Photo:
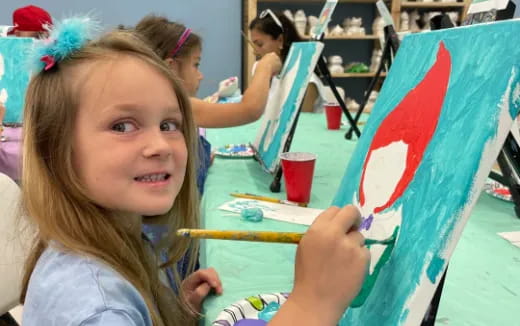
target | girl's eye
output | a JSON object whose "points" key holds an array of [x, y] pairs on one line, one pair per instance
{"points": [[124, 127], [168, 126]]}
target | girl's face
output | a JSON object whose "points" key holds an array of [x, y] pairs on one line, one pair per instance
{"points": [[265, 43], [188, 69], [129, 150]]}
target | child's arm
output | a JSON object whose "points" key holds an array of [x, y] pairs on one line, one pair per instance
{"points": [[254, 100], [331, 262]]}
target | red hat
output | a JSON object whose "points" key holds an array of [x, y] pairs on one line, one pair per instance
{"points": [[31, 19]]}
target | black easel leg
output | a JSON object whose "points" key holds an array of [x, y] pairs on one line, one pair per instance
{"points": [[325, 73], [509, 163], [431, 314], [385, 57], [276, 184]]}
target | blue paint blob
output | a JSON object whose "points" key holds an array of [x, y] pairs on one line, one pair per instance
{"points": [[269, 311], [434, 268], [252, 214]]}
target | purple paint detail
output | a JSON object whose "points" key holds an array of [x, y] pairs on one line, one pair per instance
{"points": [[366, 223], [250, 322], [286, 294]]}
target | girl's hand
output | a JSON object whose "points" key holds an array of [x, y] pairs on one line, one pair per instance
{"points": [[198, 285], [331, 263]]}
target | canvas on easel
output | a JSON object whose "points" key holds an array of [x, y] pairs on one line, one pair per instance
{"points": [[441, 118], [284, 102], [324, 19], [14, 75]]}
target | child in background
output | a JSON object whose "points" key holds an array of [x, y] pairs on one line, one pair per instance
{"points": [[181, 49], [105, 151], [274, 32], [29, 21]]}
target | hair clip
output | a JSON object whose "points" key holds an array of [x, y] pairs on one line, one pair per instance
{"points": [[65, 38], [181, 41], [49, 61]]}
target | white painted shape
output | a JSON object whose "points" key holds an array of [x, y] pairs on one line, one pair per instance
{"points": [[382, 227], [2, 66], [383, 172], [3, 96]]}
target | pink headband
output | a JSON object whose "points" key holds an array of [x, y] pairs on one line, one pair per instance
{"points": [[181, 41]]}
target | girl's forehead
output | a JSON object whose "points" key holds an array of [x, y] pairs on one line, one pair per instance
{"points": [[257, 34]]}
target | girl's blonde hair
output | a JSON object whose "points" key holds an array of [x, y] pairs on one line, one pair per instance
{"points": [[56, 201], [163, 35]]}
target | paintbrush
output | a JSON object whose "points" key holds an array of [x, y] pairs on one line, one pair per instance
{"points": [[260, 236], [268, 199]]}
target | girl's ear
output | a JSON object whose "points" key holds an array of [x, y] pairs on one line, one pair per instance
{"points": [[280, 41], [173, 64]]}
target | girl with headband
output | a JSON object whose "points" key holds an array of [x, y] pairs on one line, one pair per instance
{"points": [[181, 49]]}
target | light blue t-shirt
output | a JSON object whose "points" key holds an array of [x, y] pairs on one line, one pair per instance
{"points": [[68, 289]]}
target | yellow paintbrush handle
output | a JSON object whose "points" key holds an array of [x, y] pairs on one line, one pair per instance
{"points": [[259, 236], [265, 236]]}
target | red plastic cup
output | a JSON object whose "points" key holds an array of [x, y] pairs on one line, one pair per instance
{"points": [[298, 170], [333, 113]]}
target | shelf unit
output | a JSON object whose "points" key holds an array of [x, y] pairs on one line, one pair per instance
{"points": [[398, 6], [250, 12], [250, 9], [433, 5]]}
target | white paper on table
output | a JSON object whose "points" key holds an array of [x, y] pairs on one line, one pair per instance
{"points": [[512, 237], [279, 212]]}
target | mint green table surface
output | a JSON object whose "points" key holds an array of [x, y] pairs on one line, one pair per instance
{"points": [[483, 282]]}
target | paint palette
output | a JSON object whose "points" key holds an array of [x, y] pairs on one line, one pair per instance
{"points": [[249, 311], [497, 190], [235, 151]]}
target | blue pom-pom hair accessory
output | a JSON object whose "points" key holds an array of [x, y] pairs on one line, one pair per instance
{"points": [[66, 37]]}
